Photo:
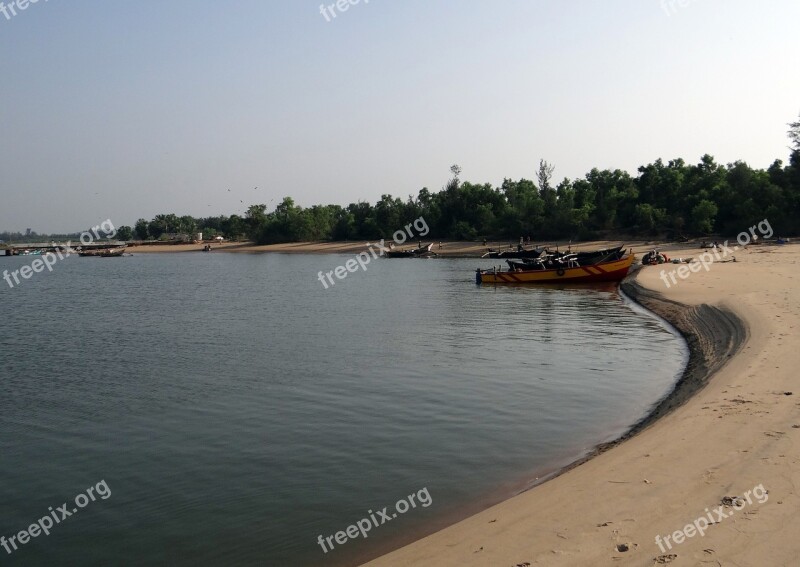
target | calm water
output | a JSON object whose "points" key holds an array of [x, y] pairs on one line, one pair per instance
{"points": [[237, 410]]}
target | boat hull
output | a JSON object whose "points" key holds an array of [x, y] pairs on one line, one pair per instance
{"points": [[415, 253], [613, 271], [103, 253], [512, 254]]}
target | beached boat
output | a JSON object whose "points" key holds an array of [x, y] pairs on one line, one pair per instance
{"points": [[103, 252], [420, 252], [555, 260], [610, 271], [524, 253], [619, 251]]}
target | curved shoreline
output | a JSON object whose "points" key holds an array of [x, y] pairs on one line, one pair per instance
{"points": [[713, 335]]}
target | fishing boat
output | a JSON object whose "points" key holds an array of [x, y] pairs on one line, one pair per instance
{"points": [[420, 252], [103, 252], [555, 260], [619, 251], [523, 253], [608, 271]]}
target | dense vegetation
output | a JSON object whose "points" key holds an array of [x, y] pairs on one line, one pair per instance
{"points": [[670, 199]]}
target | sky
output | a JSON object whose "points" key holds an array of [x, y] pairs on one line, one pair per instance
{"points": [[122, 110]]}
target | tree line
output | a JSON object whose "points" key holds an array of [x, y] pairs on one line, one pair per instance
{"points": [[672, 199]]}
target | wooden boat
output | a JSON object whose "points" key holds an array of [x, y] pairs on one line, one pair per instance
{"points": [[532, 254], [556, 260], [619, 251], [610, 271], [103, 252], [420, 252]]}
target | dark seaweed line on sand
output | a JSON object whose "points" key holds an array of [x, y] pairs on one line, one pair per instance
{"points": [[713, 335]]}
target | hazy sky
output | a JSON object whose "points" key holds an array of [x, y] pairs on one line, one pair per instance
{"points": [[120, 110]]}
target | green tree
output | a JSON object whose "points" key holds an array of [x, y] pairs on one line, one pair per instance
{"points": [[124, 233], [256, 219], [235, 227], [703, 215], [162, 225], [142, 229], [186, 225], [546, 191], [794, 135]]}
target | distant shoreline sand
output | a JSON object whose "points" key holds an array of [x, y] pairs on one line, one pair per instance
{"points": [[449, 249]]}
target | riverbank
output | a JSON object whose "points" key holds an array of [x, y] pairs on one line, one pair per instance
{"points": [[735, 426], [452, 249]]}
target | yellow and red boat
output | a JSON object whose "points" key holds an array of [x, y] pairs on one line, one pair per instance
{"points": [[611, 271]]}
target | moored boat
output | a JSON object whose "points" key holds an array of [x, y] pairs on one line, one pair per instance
{"points": [[608, 271], [420, 252], [103, 252], [518, 253], [555, 260]]}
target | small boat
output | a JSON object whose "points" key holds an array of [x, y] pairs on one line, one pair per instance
{"points": [[609, 271], [619, 251], [557, 260], [524, 253], [420, 252], [103, 252]]}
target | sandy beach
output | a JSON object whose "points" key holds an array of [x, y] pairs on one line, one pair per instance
{"points": [[731, 427]]}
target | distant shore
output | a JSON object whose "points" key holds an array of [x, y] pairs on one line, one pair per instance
{"points": [[451, 249], [447, 249], [731, 424]]}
